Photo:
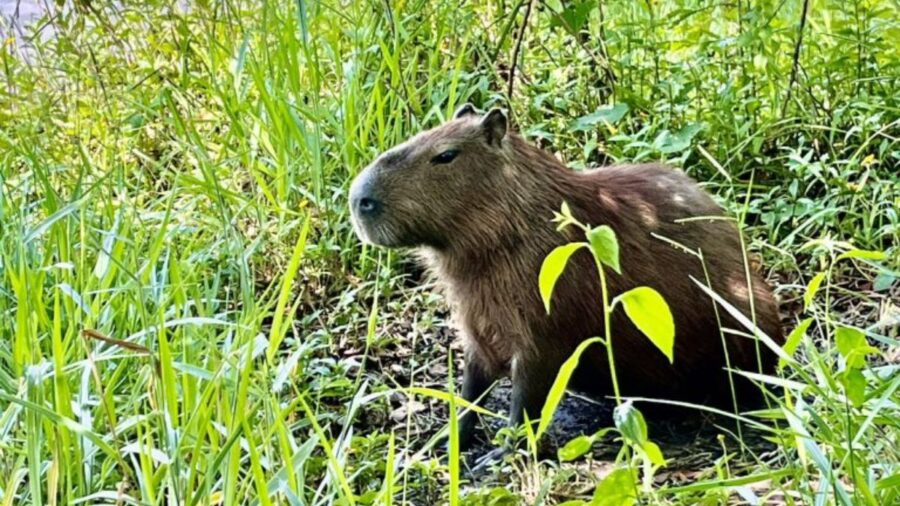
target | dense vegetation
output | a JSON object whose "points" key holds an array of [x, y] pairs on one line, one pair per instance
{"points": [[187, 317]]}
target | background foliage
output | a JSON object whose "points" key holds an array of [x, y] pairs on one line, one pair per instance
{"points": [[174, 177]]}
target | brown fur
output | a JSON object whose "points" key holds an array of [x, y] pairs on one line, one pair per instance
{"points": [[482, 225]]}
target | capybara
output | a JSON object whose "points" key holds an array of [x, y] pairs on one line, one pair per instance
{"points": [[477, 202]]}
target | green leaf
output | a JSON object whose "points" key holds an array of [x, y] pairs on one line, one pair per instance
{"points": [[53, 218], [575, 16], [553, 267], [453, 453], [575, 448], [861, 253], [854, 385], [852, 345], [296, 462], [617, 489], [654, 453], [70, 424], [883, 282], [605, 246], [793, 340], [276, 333], [812, 288], [668, 142], [650, 313], [446, 397], [500, 496], [559, 385], [605, 115], [630, 423], [889, 482]]}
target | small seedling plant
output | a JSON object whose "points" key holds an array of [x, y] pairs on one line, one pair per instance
{"points": [[650, 313]]}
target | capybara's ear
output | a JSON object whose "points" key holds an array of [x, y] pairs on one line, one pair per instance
{"points": [[494, 126], [464, 110]]}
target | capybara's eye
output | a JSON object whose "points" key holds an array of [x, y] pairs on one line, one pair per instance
{"points": [[446, 156]]}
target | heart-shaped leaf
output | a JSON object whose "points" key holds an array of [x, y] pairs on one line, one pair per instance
{"points": [[650, 313], [854, 385], [605, 246], [852, 345], [552, 268]]}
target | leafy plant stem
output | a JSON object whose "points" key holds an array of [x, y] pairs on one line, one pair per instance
{"points": [[607, 311]]}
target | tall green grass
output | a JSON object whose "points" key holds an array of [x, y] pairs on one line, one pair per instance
{"points": [[179, 282]]}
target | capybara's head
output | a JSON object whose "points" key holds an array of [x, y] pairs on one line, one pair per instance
{"points": [[420, 192]]}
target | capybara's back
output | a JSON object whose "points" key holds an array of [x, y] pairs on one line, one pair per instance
{"points": [[477, 201], [672, 237]]}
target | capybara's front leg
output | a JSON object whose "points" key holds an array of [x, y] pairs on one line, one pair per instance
{"points": [[531, 382], [476, 381]]}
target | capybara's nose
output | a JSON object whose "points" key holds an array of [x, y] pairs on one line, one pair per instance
{"points": [[363, 201], [368, 207]]}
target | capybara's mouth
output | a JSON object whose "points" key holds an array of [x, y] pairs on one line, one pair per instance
{"points": [[375, 232]]}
